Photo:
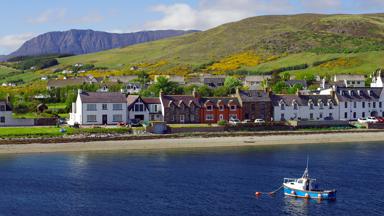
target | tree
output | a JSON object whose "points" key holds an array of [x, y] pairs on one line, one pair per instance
{"points": [[231, 84], [295, 88], [221, 91], [143, 78], [279, 87], [286, 76], [163, 84], [205, 91]]}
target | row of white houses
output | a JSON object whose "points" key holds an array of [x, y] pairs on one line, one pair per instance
{"points": [[337, 103]]}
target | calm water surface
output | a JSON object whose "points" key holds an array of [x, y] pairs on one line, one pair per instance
{"points": [[209, 182]]}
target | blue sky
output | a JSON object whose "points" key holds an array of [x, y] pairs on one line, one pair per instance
{"points": [[24, 19]]}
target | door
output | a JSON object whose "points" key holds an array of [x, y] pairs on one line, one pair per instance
{"points": [[139, 117], [182, 119], [105, 119]]}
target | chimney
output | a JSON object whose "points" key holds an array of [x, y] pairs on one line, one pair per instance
{"points": [[8, 99], [333, 93], [195, 93], [298, 93], [237, 91], [161, 93], [79, 91]]}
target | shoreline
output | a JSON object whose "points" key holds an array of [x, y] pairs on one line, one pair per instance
{"points": [[193, 143]]}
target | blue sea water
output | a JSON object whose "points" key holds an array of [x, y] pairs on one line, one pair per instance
{"points": [[198, 182]]}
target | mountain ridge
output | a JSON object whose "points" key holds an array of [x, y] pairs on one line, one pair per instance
{"points": [[77, 41]]}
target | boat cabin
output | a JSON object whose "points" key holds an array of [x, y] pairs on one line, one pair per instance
{"points": [[305, 184]]}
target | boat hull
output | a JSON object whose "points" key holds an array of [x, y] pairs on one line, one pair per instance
{"points": [[323, 195]]}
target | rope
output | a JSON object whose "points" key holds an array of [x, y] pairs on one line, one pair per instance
{"points": [[270, 193]]}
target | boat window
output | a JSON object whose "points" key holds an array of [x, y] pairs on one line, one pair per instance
{"points": [[300, 181]]}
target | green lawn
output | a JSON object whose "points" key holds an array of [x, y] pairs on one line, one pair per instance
{"points": [[14, 132], [56, 106], [44, 132]]}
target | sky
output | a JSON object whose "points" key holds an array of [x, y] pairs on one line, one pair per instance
{"points": [[24, 19]]}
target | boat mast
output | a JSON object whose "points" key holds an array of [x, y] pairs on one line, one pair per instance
{"points": [[306, 172]]}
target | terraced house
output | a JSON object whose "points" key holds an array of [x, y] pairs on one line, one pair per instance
{"points": [[180, 109], [304, 107], [214, 109], [256, 104]]}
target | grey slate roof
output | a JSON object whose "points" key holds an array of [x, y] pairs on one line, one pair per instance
{"points": [[178, 99], [216, 100], [103, 97], [302, 100], [358, 94]]}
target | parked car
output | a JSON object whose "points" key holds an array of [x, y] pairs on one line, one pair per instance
{"points": [[259, 121], [362, 120], [234, 121], [372, 119], [380, 119], [247, 121], [135, 123]]}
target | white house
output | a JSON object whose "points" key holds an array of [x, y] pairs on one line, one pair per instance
{"points": [[357, 103], [154, 106], [304, 107], [137, 109], [99, 108], [377, 79], [350, 80]]}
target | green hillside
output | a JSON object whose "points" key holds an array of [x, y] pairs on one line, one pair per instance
{"points": [[278, 41]]}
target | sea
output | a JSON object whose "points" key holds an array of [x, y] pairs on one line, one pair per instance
{"points": [[215, 181]]}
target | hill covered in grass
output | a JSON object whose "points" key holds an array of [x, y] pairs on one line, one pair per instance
{"points": [[275, 41]]}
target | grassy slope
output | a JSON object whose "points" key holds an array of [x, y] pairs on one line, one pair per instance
{"points": [[299, 36]]}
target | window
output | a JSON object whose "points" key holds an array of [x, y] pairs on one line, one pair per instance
{"points": [[354, 115], [374, 104], [354, 105], [172, 118], [282, 117], [117, 107], [282, 106], [311, 116], [369, 105], [91, 107], [91, 118], [221, 117], [105, 106], [152, 117], [321, 105], [221, 107], [346, 105], [192, 117], [182, 118], [363, 114], [233, 107], [155, 108], [321, 115], [209, 108], [209, 117], [345, 115], [330, 115], [330, 105], [295, 106], [363, 104], [117, 118], [380, 104], [2, 119], [139, 107], [253, 107], [2, 108]]}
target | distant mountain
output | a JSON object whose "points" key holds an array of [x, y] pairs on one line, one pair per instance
{"points": [[88, 41]]}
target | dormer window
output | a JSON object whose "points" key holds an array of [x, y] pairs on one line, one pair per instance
{"points": [[209, 108], [295, 106], [330, 104], [310, 103], [282, 105], [321, 105], [233, 107]]}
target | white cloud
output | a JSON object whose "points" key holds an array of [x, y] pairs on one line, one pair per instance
{"points": [[211, 13], [49, 15], [61, 15], [214, 12], [9, 43]]}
